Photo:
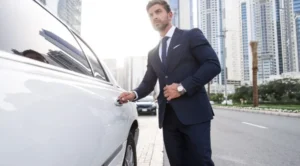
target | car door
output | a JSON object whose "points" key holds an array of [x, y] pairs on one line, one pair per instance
{"points": [[53, 111], [119, 114]]}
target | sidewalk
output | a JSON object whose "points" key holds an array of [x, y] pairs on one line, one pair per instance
{"points": [[150, 145]]}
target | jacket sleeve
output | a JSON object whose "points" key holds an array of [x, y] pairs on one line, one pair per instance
{"points": [[209, 63], [148, 83]]}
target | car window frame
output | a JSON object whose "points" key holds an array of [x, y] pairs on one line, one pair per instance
{"points": [[74, 34], [94, 54], [71, 33]]}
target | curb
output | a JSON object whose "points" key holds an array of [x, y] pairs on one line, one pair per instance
{"points": [[270, 112]]}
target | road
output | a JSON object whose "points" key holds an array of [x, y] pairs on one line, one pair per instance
{"points": [[248, 139]]}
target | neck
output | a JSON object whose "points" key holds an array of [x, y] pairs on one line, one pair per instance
{"points": [[165, 31]]}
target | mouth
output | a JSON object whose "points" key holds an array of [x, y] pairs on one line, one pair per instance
{"points": [[156, 22]]}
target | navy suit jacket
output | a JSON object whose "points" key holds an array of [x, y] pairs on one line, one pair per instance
{"points": [[193, 64]]}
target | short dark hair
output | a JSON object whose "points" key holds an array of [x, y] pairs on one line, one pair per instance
{"points": [[159, 2]]}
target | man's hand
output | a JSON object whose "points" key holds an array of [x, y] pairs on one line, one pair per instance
{"points": [[170, 91], [126, 97]]}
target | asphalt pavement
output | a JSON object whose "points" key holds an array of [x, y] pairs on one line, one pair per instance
{"points": [[249, 139]]}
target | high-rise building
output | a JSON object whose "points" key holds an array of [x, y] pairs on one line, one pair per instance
{"points": [[193, 13], [70, 12], [182, 9], [288, 60], [130, 72], [246, 35], [296, 4], [273, 23], [211, 20], [265, 33], [174, 4], [278, 35], [232, 42]]}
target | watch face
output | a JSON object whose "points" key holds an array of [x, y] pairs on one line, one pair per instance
{"points": [[180, 88]]}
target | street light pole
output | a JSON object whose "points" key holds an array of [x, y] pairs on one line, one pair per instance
{"points": [[225, 70], [223, 36]]}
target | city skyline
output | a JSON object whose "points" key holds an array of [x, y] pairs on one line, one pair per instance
{"points": [[229, 26], [235, 24]]}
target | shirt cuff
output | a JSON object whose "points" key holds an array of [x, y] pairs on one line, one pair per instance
{"points": [[184, 90], [136, 95]]}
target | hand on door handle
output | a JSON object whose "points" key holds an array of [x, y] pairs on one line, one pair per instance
{"points": [[118, 102]]}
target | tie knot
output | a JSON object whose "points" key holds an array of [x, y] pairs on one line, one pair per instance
{"points": [[164, 39]]}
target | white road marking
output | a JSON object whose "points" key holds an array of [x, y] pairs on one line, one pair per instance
{"points": [[263, 127]]}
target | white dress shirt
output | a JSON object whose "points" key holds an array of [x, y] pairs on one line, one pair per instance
{"points": [[170, 35]]}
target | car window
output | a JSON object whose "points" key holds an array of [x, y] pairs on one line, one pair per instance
{"points": [[94, 61], [39, 36]]}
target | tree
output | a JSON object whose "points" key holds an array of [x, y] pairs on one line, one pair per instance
{"points": [[218, 98], [255, 69], [243, 92]]}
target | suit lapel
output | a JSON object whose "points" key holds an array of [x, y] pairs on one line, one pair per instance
{"points": [[157, 62], [174, 57]]}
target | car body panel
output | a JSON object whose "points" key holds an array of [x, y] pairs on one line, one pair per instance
{"points": [[47, 119]]}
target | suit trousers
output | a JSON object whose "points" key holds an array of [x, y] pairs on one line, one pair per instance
{"points": [[186, 145]]}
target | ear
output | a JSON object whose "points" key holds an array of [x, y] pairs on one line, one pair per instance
{"points": [[170, 16]]}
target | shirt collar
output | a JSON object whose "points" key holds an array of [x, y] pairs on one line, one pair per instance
{"points": [[171, 31]]}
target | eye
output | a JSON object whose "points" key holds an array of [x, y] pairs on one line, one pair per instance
{"points": [[158, 11]]}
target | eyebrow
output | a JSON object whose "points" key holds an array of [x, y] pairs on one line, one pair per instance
{"points": [[157, 10]]}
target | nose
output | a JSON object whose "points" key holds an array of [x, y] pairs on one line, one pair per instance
{"points": [[155, 17]]}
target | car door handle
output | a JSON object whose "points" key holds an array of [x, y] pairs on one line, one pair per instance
{"points": [[118, 103]]}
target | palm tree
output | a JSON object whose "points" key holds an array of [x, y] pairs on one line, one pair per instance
{"points": [[254, 74]]}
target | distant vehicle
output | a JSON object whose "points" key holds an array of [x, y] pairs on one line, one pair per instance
{"points": [[212, 102], [228, 102], [58, 101], [147, 105]]}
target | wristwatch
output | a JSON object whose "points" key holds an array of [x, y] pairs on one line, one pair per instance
{"points": [[181, 89]]}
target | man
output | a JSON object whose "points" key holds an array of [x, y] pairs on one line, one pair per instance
{"points": [[183, 62]]}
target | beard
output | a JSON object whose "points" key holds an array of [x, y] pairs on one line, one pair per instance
{"points": [[160, 26]]}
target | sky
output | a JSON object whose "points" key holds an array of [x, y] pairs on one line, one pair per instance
{"points": [[118, 28]]}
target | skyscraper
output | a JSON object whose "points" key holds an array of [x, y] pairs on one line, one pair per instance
{"points": [[288, 63], [232, 42], [174, 4], [183, 15], [296, 5], [70, 12], [246, 35], [265, 34]]}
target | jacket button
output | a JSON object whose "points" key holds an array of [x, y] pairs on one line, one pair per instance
{"points": [[166, 76]]}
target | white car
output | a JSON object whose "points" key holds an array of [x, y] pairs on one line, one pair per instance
{"points": [[58, 101]]}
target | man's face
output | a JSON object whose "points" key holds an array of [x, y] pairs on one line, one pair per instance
{"points": [[159, 17]]}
